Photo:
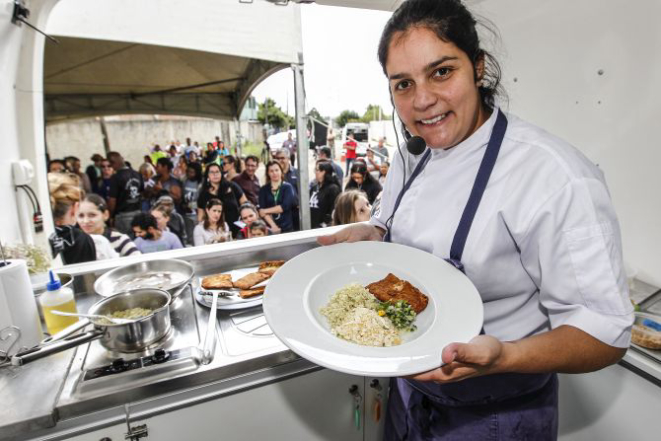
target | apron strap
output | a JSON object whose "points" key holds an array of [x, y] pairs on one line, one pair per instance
{"points": [[481, 180], [416, 172]]}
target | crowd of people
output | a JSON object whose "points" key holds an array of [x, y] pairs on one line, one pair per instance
{"points": [[184, 196]]}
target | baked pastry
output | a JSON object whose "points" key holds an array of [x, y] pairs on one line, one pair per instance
{"points": [[217, 281], [247, 293], [250, 280], [392, 288], [270, 266]]}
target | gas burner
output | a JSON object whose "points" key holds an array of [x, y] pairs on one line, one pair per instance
{"points": [[177, 351]]}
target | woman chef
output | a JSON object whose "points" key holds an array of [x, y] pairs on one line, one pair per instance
{"points": [[525, 215]]}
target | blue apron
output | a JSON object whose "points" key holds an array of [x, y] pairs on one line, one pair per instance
{"points": [[492, 407]]}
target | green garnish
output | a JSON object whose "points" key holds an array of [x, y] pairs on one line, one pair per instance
{"points": [[400, 314]]}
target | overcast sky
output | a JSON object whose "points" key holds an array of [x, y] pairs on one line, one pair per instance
{"points": [[341, 67]]}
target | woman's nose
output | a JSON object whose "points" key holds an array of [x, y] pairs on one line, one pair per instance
{"points": [[424, 98]]}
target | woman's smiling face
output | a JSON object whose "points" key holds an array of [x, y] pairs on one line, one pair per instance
{"points": [[90, 218], [434, 88]]}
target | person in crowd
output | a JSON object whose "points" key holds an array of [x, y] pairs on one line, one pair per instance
{"points": [[222, 149], [277, 200], [289, 145], [543, 250], [93, 172], [193, 158], [157, 154], [249, 214], [248, 180], [259, 229], [149, 239], [214, 185], [350, 147], [147, 160], [124, 195], [74, 245], [173, 156], [217, 142], [190, 148], [323, 194], [106, 173], [191, 189], [213, 229], [325, 153], [361, 179], [290, 176], [231, 167], [56, 166], [373, 164], [382, 150], [179, 172], [73, 165], [383, 172], [165, 183], [330, 141], [148, 173], [351, 206], [93, 216], [211, 154], [174, 222]]}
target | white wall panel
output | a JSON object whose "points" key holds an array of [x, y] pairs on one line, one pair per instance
{"points": [[552, 53]]}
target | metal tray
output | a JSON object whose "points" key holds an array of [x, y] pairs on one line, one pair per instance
{"points": [[171, 275]]}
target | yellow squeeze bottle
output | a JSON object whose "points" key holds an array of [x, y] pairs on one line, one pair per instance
{"points": [[57, 298]]}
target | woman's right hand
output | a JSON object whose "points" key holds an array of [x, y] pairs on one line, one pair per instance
{"points": [[353, 233]]}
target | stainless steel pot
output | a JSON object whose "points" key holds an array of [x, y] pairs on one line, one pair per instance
{"points": [[129, 337], [171, 275]]}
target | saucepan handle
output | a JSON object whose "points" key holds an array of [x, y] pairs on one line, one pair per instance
{"points": [[80, 324], [38, 352]]}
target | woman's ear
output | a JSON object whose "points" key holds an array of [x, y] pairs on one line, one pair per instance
{"points": [[106, 215], [479, 70]]}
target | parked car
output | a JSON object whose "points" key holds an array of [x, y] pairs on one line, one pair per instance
{"points": [[275, 141]]}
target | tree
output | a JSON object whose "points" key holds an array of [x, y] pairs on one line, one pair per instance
{"points": [[374, 113], [314, 113], [269, 113], [347, 116]]}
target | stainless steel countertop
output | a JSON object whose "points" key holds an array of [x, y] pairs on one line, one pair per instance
{"points": [[39, 395]]}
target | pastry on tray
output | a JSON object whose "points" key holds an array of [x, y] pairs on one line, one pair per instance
{"points": [[217, 281], [247, 293], [250, 280], [270, 266]]}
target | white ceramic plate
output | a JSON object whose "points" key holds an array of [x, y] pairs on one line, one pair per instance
{"points": [[306, 283], [233, 302]]}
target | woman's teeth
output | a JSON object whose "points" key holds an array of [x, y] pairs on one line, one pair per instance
{"points": [[433, 120]]}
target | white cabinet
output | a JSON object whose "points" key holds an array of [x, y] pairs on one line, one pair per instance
{"points": [[316, 406]]}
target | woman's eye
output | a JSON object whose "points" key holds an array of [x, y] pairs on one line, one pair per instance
{"points": [[442, 72], [403, 85]]}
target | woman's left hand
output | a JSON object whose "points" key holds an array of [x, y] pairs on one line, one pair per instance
{"points": [[483, 355]]}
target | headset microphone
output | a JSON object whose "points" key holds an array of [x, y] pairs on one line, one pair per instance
{"points": [[416, 145]]}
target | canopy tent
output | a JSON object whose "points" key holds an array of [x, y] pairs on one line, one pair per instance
{"points": [[85, 77], [164, 57]]}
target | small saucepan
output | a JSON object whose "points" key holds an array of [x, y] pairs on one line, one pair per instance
{"points": [[129, 337]]}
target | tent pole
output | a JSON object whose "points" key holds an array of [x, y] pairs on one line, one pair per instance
{"points": [[302, 144]]}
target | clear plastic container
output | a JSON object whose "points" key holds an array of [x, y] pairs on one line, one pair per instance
{"points": [[646, 336], [57, 298]]}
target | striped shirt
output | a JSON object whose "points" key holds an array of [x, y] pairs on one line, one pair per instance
{"points": [[121, 243]]}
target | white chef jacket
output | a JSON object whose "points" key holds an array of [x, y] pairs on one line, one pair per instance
{"points": [[544, 249]]}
